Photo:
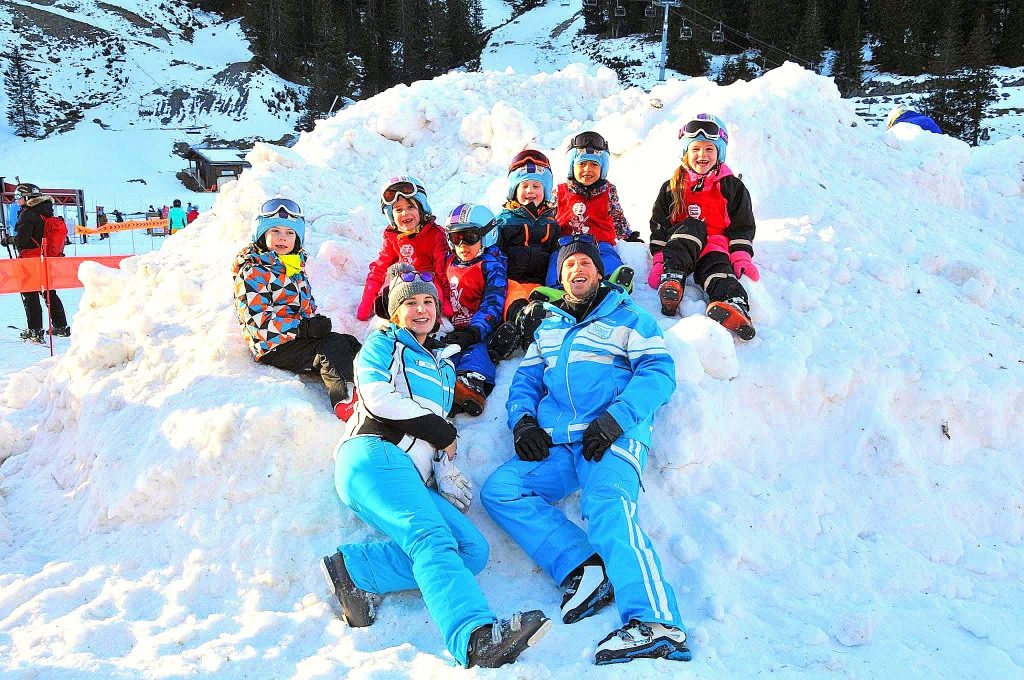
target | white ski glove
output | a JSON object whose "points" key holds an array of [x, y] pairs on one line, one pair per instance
{"points": [[451, 483]]}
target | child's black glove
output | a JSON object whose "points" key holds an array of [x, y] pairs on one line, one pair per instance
{"points": [[315, 327], [693, 226], [532, 442], [463, 337], [599, 435], [634, 237]]}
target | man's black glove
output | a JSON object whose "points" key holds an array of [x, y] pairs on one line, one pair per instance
{"points": [[315, 327], [599, 435], [634, 237], [463, 337], [532, 442]]}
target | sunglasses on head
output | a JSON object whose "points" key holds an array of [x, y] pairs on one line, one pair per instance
{"points": [[409, 277], [468, 236], [527, 159], [576, 238], [400, 189], [591, 141], [707, 128], [280, 207]]}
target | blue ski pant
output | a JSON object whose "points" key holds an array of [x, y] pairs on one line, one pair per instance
{"points": [[609, 259], [476, 359], [433, 547], [520, 494]]}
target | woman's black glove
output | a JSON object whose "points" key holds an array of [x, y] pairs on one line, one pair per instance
{"points": [[599, 435], [532, 442], [315, 327], [463, 337]]}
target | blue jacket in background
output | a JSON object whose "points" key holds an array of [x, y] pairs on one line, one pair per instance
{"points": [[920, 120], [615, 360]]}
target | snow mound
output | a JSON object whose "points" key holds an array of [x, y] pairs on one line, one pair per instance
{"points": [[840, 494]]}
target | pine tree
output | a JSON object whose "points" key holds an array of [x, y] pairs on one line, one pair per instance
{"points": [[848, 66], [948, 56], [809, 40], [770, 22], [21, 88], [1011, 43], [272, 27], [330, 74], [979, 84], [737, 68]]}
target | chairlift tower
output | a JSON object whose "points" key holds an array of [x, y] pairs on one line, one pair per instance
{"points": [[666, 4]]}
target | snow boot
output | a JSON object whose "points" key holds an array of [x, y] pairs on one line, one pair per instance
{"points": [[530, 320], [623, 276], [346, 407], [546, 294], [589, 590], [501, 642], [62, 331], [734, 314], [670, 292], [506, 339], [638, 640], [470, 394], [358, 607], [33, 335]]}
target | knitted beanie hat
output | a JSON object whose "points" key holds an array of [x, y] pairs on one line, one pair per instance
{"points": [[588, 247], [402, 290]]}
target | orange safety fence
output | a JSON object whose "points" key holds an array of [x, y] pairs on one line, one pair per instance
{"points": [[110, 227], [35, 273]]}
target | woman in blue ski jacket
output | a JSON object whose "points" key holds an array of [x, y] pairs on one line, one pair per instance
{"points": [[395, 469]]}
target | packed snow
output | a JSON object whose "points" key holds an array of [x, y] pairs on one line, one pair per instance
{"points": [[840, 497]]}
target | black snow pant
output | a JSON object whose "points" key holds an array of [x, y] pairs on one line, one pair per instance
{"points": [[332, 356], [713, 271], [34, 309]]}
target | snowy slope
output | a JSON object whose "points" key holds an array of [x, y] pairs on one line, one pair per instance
{"points": [[840, 497]]}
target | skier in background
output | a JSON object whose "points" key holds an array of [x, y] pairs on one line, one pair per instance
{"points": [[901, 114], [176, 218], [35, 209]]}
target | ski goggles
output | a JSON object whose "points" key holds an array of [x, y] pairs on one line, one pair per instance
{"points": [[470, 237], [530, 161], [576, 238], [280, 207], [409, 277], [399, 189], [591, 141], [708, 128]]}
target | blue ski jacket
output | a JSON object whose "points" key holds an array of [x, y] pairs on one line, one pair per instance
{"points": [[614, 360], [405, 391]]}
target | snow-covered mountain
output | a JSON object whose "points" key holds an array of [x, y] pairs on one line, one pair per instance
{"points": [[840, 497]]}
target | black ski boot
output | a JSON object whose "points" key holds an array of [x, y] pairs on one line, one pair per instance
{"points": [[637, 640], [505, 340], [62, 331], [33, 335], [358, 607], [588, 591], [500, 643]]}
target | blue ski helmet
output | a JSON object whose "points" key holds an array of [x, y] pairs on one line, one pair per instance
{"points": [[707, 128], [530, 165], [280, 212], [467, 216], [588, 146], [404, 186]]}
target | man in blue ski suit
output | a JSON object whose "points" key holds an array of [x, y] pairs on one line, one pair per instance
{"points": [[581, 407]]}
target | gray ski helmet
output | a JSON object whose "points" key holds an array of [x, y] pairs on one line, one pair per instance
{"points": [[27, 191]]}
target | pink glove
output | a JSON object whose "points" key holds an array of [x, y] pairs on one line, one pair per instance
{"points": [[365, 309], [654, 276], [743, 265]]}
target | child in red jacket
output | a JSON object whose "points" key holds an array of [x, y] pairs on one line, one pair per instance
{"points": [[412, 236]]}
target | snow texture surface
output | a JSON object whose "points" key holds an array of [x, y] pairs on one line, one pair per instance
{"points": [[841, 497]]}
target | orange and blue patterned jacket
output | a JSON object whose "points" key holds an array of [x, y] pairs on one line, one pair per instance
{"points": [[269, 303]]}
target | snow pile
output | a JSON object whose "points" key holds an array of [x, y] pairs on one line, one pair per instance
{"points": [[843, 494]]}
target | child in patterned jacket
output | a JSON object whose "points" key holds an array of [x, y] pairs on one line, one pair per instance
{"points": [[275, 305]]}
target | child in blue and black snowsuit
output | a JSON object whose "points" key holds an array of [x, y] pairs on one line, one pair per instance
{"points": [[477, 282]]}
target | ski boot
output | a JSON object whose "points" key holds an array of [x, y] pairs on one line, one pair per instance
{"points": [[346, 407], [501, 642], [62, 331], [589, 590], [623, 276], [33, 335], [734, 314], [470, 394], [358, 607], [670, 292], [507, 338], [546, 294], [637, 640]]}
